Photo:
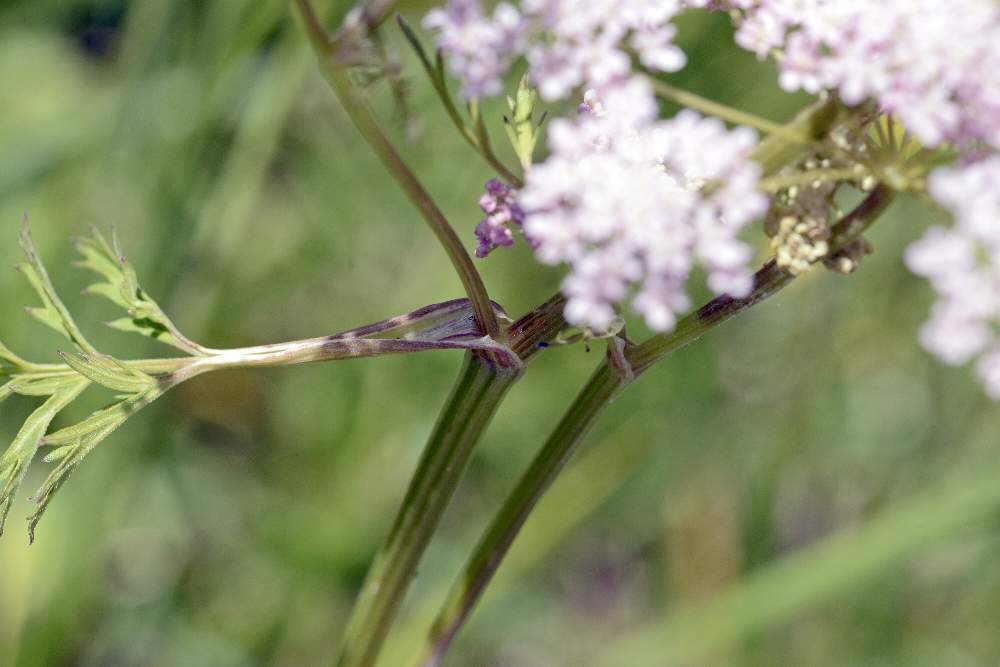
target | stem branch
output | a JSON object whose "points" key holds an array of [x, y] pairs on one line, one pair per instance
{"points": [[712, 108], [354, 103], [604, 385], [477, 394]]}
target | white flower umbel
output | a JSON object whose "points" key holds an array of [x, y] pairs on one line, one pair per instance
{"points": [[962, 264], [933, 64], [568, 43], [631, 201]]}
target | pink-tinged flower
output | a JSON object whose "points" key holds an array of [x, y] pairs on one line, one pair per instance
{"points": [[962, 264], [632, 203], [480, 48], [499, 202], [933, 64], [568, 43]]}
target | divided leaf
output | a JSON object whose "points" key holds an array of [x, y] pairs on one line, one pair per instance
{"points": [[52, 312], [73, 443], [62, 384], [15, 461], [121, 286]]}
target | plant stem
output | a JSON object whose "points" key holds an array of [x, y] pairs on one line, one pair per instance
{"points": [[604, 385], [815, 121], [480, 141], [693, 101], [803, 178], [596, 395], [477, 394], [354, 103]]}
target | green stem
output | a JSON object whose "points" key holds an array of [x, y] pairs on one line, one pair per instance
{"points": [[477, 394], [605, 384], [814, 122], [812, 176], [354, 103], [712, 108], [479, 140], [596, 395]]}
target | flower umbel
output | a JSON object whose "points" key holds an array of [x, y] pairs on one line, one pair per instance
{"points": [[628, 200], [962, 264]]}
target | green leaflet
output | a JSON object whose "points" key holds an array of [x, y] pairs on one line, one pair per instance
{"points": [[62, 384], [121, 287], [42, 384], [17, 458], [9, 362], [109, 372], [75, 442], [147, 327], [53, 312]]}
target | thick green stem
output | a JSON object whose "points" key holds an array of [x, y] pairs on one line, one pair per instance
{"points": [[351, 98], [604, 385], [477, 394], [596, 395]]}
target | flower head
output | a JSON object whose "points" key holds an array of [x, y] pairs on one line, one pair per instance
{"points": [[962, 264], [632, 203], [568, 43], [933, 64]]}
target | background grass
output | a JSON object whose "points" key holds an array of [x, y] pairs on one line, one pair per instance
{"points": [[804, 486]]}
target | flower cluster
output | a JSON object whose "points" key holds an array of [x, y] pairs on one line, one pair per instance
{"points": [[626, 199], [568, 43], [632, 202], [934, 64], [499, 202], [629, 200], [480, 48], [962, 264]]}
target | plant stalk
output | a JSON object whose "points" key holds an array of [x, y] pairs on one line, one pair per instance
{"points": [[351, 98], [478, 392], [727, 113], [604, 386]]}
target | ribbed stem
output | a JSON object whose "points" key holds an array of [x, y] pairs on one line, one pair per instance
{"points": [[604, 385], [477, 394], [354, 103], [596, 395]]}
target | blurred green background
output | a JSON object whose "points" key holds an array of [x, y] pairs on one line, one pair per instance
{"points": [[802, 487]]}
